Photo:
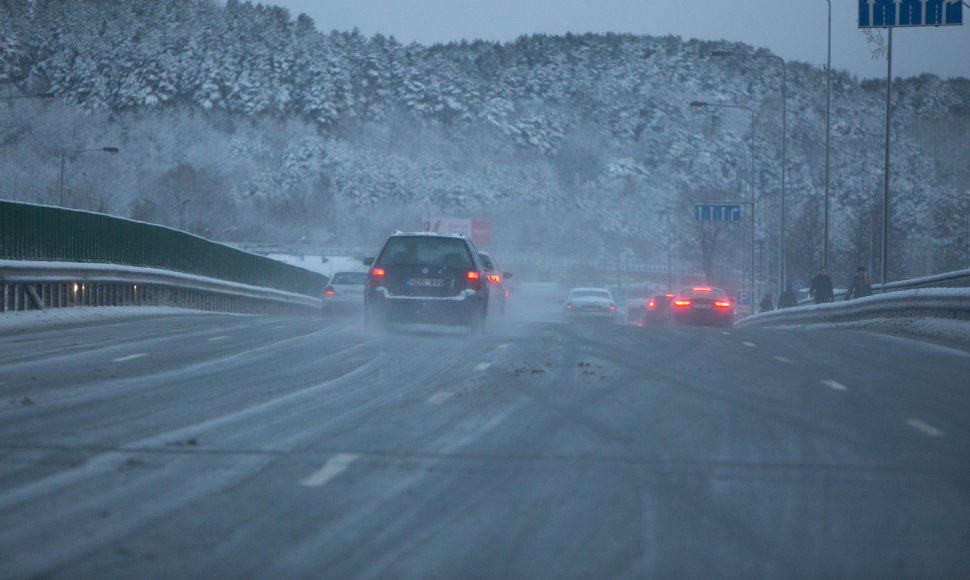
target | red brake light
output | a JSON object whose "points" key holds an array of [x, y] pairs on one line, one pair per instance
{"points": [[329, 291], [701, 289], [652, 304], [474, 280], [493, 278], [722, 304], [376, 274], [612, 307], [473, 275], [681, 302]]}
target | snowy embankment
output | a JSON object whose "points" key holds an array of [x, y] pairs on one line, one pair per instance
{"points": [[936, 314]]}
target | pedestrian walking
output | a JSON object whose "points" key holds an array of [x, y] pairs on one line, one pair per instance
{"points": [[788, 298], [766, 304], [821, 287], [859, 286]]}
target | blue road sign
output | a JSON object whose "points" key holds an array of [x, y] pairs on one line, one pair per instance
{"points": [[743, 298], [718, 212], [892, 13]]}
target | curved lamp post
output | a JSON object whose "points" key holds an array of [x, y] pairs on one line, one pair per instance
{"points": [[60, 187], [719, 54], [695, 105]]}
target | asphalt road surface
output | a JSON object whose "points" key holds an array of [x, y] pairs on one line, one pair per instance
{"points": [[217, 446]]}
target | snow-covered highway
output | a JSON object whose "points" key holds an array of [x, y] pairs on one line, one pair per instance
{"points": [[209, 445]]}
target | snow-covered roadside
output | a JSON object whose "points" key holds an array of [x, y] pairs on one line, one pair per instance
{"points": [[944, 331], [32, 320]]}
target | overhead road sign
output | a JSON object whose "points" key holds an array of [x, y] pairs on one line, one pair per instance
{"points": [[894, 13], [718, 212]]}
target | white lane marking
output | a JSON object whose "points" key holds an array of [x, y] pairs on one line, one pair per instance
{"points": [[746, 343], [725, 332], [924, 428], [782, 359], [129, 357], [215, 338], [440, 397], [279, 327], [835, 385], [482, 366], [504, 345], [331, 469]]}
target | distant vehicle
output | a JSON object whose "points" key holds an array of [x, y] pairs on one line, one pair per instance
{"points": [[344, 293], [426, 277], [657, 311], [589, 304], [636, 304], [702, 306], [498, 292]]}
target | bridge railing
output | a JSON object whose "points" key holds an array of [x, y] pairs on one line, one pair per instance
{"points": [[46, 250]]}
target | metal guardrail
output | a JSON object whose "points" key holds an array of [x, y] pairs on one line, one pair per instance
{"points": [[53, 257], [36, 285], [40, 233], [933, 302]]}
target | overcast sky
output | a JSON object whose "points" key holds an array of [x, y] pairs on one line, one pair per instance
{"points": [[793, 29]]}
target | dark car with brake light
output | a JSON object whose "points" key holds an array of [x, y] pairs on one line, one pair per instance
{"points": [[702, 306], [427, 277], [498, 292], [658, 311]]}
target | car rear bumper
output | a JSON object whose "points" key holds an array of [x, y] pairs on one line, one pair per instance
{"points": [[461, 309], [704, 317]]}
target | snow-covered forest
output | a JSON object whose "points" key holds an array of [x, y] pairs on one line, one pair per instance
{"points": [[244, 123]]}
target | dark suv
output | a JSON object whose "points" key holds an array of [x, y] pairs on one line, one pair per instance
{"points": [[426, 277]]}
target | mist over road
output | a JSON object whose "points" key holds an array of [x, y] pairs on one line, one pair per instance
{"points": [[254, 446]]}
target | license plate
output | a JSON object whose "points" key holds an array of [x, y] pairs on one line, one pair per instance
{"points": [[426, 282]]}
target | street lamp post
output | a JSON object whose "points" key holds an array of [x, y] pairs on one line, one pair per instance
{"points": [[719, 54], [828, 136], [700, 105], [60, 186]]}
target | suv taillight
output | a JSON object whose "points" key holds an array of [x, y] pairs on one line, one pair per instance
{"points": [[330, 291], [376, 277], [474, 281]]}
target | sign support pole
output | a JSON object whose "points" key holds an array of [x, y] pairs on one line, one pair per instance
{"points": [[885, 195]]}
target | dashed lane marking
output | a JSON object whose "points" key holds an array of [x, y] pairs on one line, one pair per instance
{"points": [[725, 332], [835, 385], [482, 366], [924, 428], [215, 338], [440, 397], [782, 359], [746, 343], [129, 357], [331, 469]]}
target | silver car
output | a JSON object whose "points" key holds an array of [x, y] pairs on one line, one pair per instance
{"points": [[344, 293], [589, 304]]}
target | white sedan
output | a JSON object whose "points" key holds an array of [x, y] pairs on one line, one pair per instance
{"points": [[344, 293], [589, 304]]}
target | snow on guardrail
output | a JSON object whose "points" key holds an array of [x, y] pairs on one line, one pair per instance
{"points": [[952, 303], [28, 285]]}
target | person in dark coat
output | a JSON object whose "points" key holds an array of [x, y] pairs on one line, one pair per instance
{"points": [[788, 298], [766, 304], [821, 287], [859, 286]]}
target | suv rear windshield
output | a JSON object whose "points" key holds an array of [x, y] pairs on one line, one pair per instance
{"points": [[426, 250]]}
